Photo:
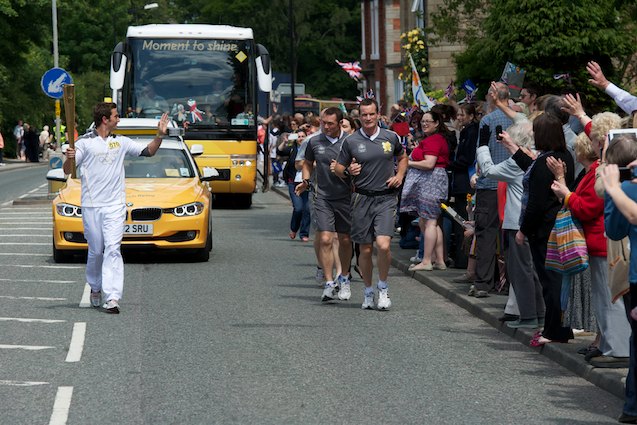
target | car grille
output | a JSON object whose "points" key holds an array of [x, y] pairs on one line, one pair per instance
{"points": [[145, 214], [224, 174]]}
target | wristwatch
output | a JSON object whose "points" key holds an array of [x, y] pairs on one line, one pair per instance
{"points": [[346, 173]]}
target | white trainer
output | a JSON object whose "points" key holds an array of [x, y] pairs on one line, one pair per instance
{"points": [[415, 259], [368, 302], [383, 300], [346, 292], [329, 293]]}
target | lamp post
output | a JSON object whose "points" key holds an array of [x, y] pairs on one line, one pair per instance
{"points": [[56, 62], [135, 11]]}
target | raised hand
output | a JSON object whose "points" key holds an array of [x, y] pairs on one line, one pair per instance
{"points": [[573, 105], [598, 79]]}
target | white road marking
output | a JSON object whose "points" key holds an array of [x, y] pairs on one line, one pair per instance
{"points": [[27, 236], [26, 320], [25, 243], [27, 228], [11, 297], [34, 266], [86, 297], [24, 347], [77, 342], [61, 406], [23, 214], [37, 280], [24, 253], [34, 190], [22, 383]]}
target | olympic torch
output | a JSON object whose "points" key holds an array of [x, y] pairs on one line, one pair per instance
{"points": [[69, 112]]}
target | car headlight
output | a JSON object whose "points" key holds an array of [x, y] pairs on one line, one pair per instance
{"points": [[194, 208], [68, 210]]}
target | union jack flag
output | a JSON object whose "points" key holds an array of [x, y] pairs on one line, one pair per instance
{"points": [[450, 90], [353, 69], [368, 95]]}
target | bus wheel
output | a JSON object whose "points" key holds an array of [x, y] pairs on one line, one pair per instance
{"points": [[243, 200]]}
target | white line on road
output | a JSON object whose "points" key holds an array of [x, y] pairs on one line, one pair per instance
{"points": [[26, 320], [27, 228], [86, 300], [61, 406], [11, 297], [27, 236], [25, 243], [77, 342], [25, 253], [24, 347], [34, 266], [37, 281], [21, 383]]}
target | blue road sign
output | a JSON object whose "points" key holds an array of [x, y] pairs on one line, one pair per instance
{"points": [[55, 162], [53, 82]]}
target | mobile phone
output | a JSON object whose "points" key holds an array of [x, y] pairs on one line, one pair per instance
{"points": [[293, 136], [626, 173], [498, 130]]}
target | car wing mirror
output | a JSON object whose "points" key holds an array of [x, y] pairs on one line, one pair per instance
{"points": [[56, 175]]}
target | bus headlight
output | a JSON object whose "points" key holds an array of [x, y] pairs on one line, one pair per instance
{"points": [[68, 210], [194, 208]]}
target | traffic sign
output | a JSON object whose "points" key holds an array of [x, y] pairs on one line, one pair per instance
{"points": [[53, 81], [55, 162]]}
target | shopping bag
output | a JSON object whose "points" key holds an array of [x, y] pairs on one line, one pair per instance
{"points": [[566, 250]]}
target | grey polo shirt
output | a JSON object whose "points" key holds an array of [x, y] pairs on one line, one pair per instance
{"points": [[327, 184], [376, 156]]}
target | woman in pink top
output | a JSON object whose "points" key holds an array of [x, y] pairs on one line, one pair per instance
{"points": [[426, 186]]}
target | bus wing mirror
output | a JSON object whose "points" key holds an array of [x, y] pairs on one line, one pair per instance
{"points": [[118, 67], [264, 71]]}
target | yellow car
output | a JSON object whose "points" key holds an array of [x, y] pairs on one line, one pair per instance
{"points": [[167, 201]]}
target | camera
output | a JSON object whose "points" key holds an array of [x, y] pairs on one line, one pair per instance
{"points": [[498, 130], [293, 136], [626, 173]]}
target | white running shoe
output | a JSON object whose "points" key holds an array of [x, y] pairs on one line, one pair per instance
{"points": [[415, 259], [112, 307], [383, 299], [368, 303], [329, 293], [346, 292], [96, 299]]}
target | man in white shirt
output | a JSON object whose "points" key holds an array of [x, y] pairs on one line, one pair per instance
{"points": [[626, 101], [100, 156]]}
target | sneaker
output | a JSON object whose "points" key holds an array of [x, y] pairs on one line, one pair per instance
{"points": [[96, 299], [523, 323], [368, 303], [383, 299], [329, 293], [415, 259], [345, 291], [112, 307]]}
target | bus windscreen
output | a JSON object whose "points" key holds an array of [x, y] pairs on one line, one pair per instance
{"points": [[200, 83]]}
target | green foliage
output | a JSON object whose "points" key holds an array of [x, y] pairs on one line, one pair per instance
{"points": [[543, 37], [413, 43]]}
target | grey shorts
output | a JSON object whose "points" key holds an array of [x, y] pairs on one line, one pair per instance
{"points": [[332, 215], [372, 216]]}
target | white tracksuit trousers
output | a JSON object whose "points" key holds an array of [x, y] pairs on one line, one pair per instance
{"points": [[103, 230]]}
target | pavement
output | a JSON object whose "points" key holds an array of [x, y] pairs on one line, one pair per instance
{"points": [[491, 308]]}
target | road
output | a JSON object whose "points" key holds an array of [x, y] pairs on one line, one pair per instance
{"points": [[17, 182], [245, 339]]}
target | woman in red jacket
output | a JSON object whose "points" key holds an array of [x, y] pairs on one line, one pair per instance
{"points": [[588, 208]]}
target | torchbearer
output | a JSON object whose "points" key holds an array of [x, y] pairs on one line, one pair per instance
{"points": [[100, 156]]}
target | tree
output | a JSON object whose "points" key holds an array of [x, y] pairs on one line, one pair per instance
{"points": [[543, 37]]}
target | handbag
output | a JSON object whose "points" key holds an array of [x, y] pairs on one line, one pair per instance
{"points": [[566, 251]]}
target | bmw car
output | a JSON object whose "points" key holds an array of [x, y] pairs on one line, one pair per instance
{"points": [[167, 200]]}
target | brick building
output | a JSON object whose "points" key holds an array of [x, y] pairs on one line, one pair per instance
{"points": [[382, 22]]}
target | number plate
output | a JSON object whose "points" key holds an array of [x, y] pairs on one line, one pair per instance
{"points": [[138, 229]]}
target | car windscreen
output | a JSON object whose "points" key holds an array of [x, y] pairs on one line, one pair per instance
{"points": [[166, 163]]}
